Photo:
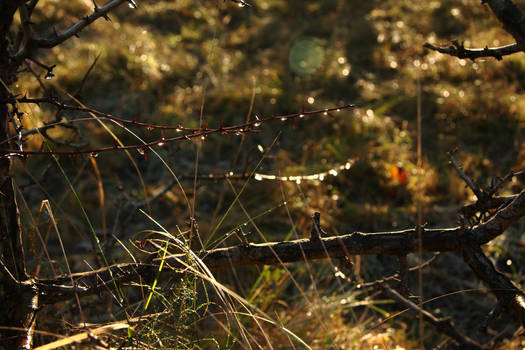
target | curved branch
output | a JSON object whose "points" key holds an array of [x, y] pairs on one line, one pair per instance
{"points": [[509, 297], [510, 16], [76, 28]]}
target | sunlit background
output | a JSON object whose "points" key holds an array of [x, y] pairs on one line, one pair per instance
{"points": [[205, 62]]}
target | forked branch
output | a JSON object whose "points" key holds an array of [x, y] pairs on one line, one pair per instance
{"points": [[513, 21]]}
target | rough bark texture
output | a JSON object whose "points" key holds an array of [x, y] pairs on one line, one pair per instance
{"points": [[393, 243], [18, 301]]}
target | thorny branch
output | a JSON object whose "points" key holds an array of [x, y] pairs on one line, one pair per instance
{"points": [[464, 241], [458, 50], [398, 243], [31, 43], [189, 133], [392, 243]]}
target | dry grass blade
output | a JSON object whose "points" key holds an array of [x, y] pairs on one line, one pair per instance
{"points": [[79, 337]]}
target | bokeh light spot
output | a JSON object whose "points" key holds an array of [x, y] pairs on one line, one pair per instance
{"points": [[306, 56]]}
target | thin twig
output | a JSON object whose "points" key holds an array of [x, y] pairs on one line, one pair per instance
{"points": [[475, 188], [444, 325]]}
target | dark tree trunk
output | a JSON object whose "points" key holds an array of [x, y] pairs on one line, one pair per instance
{"points": [[18, 300]]}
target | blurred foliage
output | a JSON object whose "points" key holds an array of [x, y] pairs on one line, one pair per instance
{"points": [[167, 61]]}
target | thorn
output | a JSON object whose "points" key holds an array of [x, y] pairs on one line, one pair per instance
{"points": [[242, 237], [317, 231]]}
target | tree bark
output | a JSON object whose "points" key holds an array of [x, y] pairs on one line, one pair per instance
{"points": [[19, 301]]}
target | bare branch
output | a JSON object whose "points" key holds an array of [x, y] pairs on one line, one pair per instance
{"points": [[74, 30], [510, 297], [497, 182], [26, 25], [474, 187], [445, 326], [490, 203], [458, 50], [392, 243], [489, 230], [190, 133], [513, 21], [150, 126], [510, 16]]}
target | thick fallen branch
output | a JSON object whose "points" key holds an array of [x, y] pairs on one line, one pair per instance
{"points": [[464, 241], [391, 243]]}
